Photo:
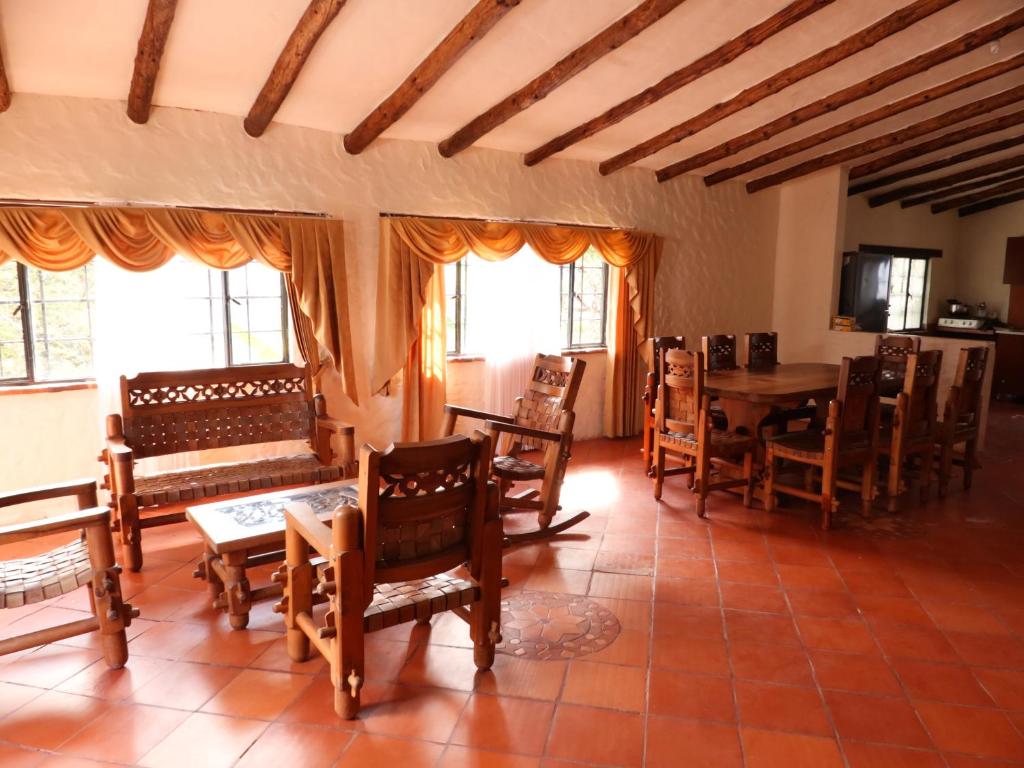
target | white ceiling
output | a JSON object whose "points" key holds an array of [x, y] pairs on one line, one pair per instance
{"points": [[220, 51]]}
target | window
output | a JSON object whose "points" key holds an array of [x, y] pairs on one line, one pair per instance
{"points": [[51, 322], [581, 289], [46, 328], [584, 301], [908, 280]]}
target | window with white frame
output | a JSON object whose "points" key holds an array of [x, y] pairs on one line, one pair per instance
{"points": [[49, 320], [908, 283], [583, 291]]}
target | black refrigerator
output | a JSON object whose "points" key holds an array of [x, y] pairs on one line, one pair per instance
{"points": [[864, 290]]}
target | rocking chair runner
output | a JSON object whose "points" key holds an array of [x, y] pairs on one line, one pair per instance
{"points": [[424, 510], [542, 415]]}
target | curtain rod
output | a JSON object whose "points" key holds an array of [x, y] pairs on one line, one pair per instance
{"points": [[91, 204], [389, 215]]}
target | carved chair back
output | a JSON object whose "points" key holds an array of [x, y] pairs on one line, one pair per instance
{"points": [[681, 394], [892, 352], [762, 350], [921, 389], [858, 393], [966, 395], [659, 346], [167, 412], [423, 507], [719, 352], [552, 390]]}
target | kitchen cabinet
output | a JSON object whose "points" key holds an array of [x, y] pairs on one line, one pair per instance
{"points": [[1008, 377]]}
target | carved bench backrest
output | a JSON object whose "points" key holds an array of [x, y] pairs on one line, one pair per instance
{"points": [[167, 412]]}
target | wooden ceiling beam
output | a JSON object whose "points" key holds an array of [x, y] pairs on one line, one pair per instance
{"points": [[960, 189], [314, 21], [859, 41], [864, 88], [156, 27], [707, 63], [860, 121], [988, 205], [874, 166], [903, 135], [605, 41], [942, 182], [477, 23], [976, 197]]}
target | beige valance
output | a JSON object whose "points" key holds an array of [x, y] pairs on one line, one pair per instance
{"points": [[409, 312], [311, 250]]}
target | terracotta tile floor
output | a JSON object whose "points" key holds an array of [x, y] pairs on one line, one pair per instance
{"points": [[747, 639]]}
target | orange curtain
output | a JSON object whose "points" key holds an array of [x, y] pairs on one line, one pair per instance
{"points": [[408, 309], [311, 250]]}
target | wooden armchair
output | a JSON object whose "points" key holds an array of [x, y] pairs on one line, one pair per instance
{"points": [[543, 415], [168, 412], [424, 510], [850, 438], [913, 428], [892, 353], [763, 355], [683, 429], [88, 560], [658, 346], [962, 417]]}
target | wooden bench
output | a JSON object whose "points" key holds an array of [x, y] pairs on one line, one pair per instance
{"points": [[168, 412]]}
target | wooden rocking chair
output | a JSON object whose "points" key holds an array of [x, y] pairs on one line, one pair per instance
{"points": [[542, 415], [424, 510]]}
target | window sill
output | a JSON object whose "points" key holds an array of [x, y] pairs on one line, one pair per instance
{"points": [[566, 352], [584, 351], [43, 388]]}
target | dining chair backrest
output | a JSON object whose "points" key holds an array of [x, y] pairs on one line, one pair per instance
{"points": [[921, 388], [970, 371], [858, 394], [719, 351], [762, 350], [681, 391], [659, 346], [892, 353]]}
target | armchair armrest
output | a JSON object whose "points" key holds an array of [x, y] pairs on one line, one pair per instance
{"points": [[70, 521], [337, 426], [117, 450], [648, 394], [303, 519], [458, 410], [84, 489], [515, 429]]}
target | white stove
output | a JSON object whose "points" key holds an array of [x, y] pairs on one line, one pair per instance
{"points": [[962, 323]]}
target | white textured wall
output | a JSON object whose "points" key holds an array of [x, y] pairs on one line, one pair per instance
{"points": [[717, 272], [982, 246]]}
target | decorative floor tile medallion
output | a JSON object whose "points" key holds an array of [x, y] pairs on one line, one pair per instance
{"points": [[551, 625]]}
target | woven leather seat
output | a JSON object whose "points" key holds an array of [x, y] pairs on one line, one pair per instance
{"points": [[514, 468], [52, 574], [420, 599], [723, 442], [811, 443], [197, 483]]}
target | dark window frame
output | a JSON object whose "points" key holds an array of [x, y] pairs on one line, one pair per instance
{"points": [[575, 305], [922, 320], [24, 309], [459, 298]]}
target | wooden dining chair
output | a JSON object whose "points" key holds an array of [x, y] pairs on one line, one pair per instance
{"points": [[892, 352], [424, 510], [684, 431], [658, 346], [762, 350], [912, 431], [542, 416], [850, 438], [763, 355], [88, 560], [961, 418], [719, 352]]}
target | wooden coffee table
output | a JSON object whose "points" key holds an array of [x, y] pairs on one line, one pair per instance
{"points": [[246, 532]]}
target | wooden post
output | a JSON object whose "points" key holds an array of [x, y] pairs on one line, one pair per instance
{"points": [[106, 591], [348, 604], [298, 592]]}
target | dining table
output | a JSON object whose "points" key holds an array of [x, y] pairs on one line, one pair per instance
{"points": [[748, 395]]}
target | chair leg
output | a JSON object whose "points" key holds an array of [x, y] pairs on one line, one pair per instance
{"points": [[659, 469], [927, 467], [769, 480], [347, 674], [748, 475], [648, 448], [893, 482], [131, 532], [703, 471], [945, 466], [867, 486], [112, 614], [485, 615], [298, 594], [828, 492], [970, 451]]}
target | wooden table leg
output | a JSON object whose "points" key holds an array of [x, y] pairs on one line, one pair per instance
{"points": [[236, 589], [206, 571]]}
